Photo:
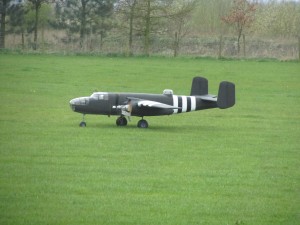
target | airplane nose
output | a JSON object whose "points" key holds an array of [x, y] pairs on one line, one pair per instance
{"points": [[78, 102], [72, 104]]}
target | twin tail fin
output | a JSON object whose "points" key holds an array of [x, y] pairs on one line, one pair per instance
{"points": [[226, 95]]}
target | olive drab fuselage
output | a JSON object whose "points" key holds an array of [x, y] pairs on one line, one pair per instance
{"points": [[142, 104]]}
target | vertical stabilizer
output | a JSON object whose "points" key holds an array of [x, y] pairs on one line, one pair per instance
{"points": [[226, 96], [199, 86]]}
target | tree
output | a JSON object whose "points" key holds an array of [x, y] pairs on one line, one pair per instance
{"points": [[207, 15], [279, 19], [148, 9], [297, 29], [144, 17], [150, 18], [101, 22], [127, 8], [36, 5], [4, 5], [17, 21], [240, 17], [180, 15], [86, 17], [207, 19]]}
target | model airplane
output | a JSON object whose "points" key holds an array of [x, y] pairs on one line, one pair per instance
{"points": [[138, 104]]}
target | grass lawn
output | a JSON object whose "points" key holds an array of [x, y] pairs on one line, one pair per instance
{"points": [[234, 166]]}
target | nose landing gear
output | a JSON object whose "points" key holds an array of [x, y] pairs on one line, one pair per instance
{"points": [[83, 123]]}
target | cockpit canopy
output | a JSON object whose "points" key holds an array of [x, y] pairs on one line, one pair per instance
{"points": [[168, 92], [100, 95]]}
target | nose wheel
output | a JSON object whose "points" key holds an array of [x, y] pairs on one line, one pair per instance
{"points": [[82, 124]]}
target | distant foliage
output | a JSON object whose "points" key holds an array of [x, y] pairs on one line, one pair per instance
{"points": [[84, 17], [241, 16], [171, 27], [278, 19]]}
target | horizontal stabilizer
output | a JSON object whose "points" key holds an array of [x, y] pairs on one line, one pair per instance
{"points": [[210, 98]]}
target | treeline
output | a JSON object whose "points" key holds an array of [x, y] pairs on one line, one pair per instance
{"points": [[170, 27]]}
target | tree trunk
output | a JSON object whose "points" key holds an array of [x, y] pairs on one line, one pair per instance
{"points": [[299, 47], [131, 18], [37, 7], [83, 23], [220, 46], [238, 44], [240, 33], [130, 31], [101, 40], [2, 31], [43, 38], [147, 30], [176, 45], [244, 45], [23, 39]]}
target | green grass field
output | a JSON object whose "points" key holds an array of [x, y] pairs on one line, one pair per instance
{"points": [[234, 166]]}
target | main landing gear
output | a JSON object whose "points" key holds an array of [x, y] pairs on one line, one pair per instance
{"points": [[122, 121], [142, 124]]}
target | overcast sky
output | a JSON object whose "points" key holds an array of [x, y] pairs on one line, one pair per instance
{"points": [[278, 0], [282, 0]]}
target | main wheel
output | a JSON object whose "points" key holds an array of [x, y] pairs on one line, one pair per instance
{"points": [[121, 121], [142, 124]]}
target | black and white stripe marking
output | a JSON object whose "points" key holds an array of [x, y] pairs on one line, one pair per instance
{"points": [[186, 103]]}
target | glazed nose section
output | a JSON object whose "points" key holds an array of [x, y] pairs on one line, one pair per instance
{"points": [[73, 103], [78, 102]]}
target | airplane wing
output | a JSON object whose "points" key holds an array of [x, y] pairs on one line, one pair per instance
{"points": [[210, 98], [153, 104]]}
